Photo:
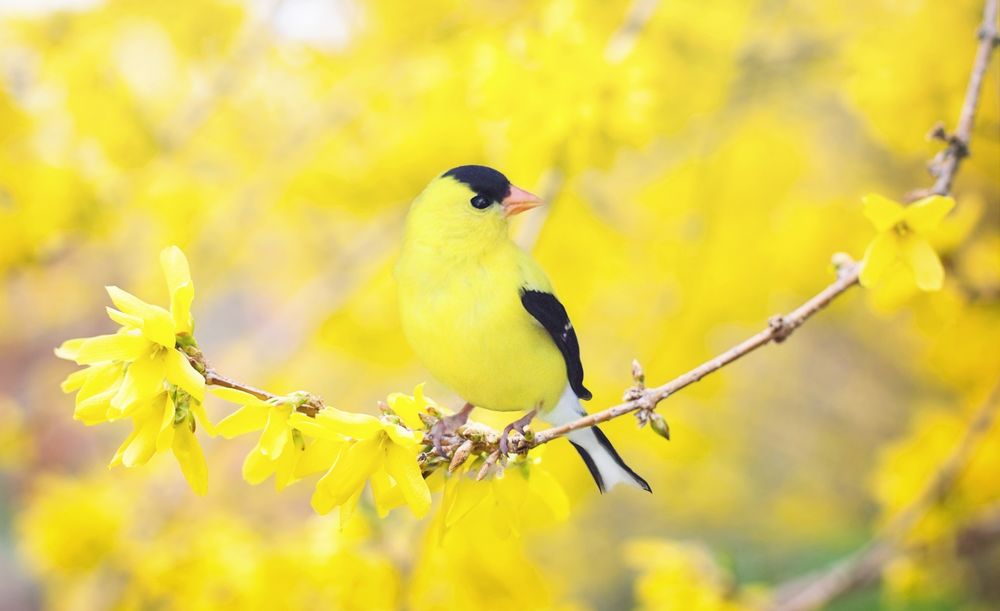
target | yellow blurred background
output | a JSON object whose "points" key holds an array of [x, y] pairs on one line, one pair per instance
{"points": [[702, 161]]}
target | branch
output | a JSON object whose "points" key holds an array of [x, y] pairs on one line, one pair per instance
{"points": [[866, 565], [638, 398], [945, 164], [778, 330]]}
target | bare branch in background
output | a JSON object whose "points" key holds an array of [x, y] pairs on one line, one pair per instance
{"points": [[623, 40], [866, 565]]}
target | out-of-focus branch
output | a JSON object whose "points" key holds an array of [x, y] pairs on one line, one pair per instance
{"points": [[623, 40], [531, 228], [866, 565], [945, 164]]}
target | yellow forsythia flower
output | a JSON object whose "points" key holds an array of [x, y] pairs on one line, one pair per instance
{"points": [[366, 448], [409, 408], [280, 446], [901, 239], [139, 373]]}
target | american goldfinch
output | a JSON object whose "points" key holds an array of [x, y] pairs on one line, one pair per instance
{"points": [[482, 315]]}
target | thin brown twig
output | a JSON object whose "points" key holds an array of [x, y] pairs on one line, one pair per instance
{"points": [[779, 329], [866, 565]]}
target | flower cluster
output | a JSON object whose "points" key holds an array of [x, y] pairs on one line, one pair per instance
{"points": [[139, 373]]}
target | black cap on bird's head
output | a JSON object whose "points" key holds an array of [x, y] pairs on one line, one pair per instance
{"points": [[492, 187]]}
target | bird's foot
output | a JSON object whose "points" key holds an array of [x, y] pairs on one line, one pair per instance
{"points": [[518, 425], [447, 426]]}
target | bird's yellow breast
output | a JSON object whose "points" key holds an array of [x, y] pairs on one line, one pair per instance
{"points": [[464, 318]]}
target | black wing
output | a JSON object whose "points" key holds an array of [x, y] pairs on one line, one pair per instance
{"points": [[547, 310]]}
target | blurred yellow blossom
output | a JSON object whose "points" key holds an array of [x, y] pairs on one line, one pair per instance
{"points": [[521, 495], [71, 525], [901, 239]]}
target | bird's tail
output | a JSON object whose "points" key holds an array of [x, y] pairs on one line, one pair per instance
{"points": [[605, 465]]}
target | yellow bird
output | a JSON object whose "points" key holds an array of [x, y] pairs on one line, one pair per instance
{"points": [[482, 315]]}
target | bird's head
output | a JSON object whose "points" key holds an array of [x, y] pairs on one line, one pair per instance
{"points": [[467, 208]]}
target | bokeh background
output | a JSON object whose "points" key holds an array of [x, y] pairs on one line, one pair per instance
{"points": [[702, 162]]}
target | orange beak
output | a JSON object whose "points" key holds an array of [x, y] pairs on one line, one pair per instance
{"points": [[519, 200]]}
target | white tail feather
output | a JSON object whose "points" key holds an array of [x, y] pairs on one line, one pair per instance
{"points": [[604, 463]]}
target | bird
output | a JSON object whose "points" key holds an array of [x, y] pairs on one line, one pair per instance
{"points": [[484, 319]]}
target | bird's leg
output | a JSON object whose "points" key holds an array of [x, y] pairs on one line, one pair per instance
{"points": [[448, 425], [518, 425]]}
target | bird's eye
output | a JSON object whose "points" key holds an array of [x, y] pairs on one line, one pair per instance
{"points": [[480, 202]]}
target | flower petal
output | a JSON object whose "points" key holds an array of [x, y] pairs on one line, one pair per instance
{"points": [[882, 211], [462, 494], [335, 425], [408, 408], [881, 253], [157, 325], [247, 419], [550, 491], [385, 493], [117, 347], [347, 509], [189, 456], [165, 438], [201, 417], [181, 288], [143, 445], [285, 466], [119, 454], [347, 476], [70, 348], [402, 465], [125, 320], [94, 410], [276, 432], [318, 456], [257, 467], [358, 426], [180, 372], [143, 380], [75, 380], [404, 437], [101, 379], [923, 215], [921, 258]]}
